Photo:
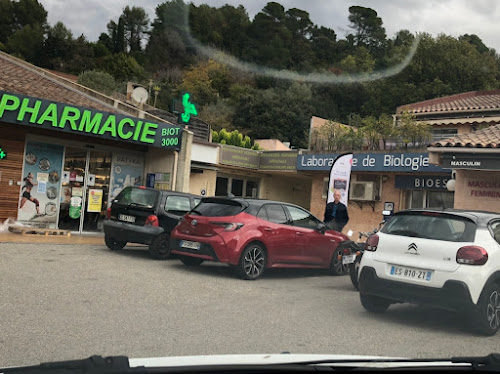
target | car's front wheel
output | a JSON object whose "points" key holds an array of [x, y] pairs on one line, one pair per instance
{"points": [[252, 262], [486, 318], [160, 247], [191, 261], [374, 304], [113, 244]]}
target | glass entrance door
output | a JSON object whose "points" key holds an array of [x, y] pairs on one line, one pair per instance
{"points": [[85, 188], [73, 180], [97, 189]]}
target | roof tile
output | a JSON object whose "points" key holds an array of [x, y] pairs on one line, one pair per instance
{"points": [[474, 100], [486, 138]]}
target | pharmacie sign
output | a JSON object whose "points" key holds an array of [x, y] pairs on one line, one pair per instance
{"points": [[50, 115], [382, 162]]}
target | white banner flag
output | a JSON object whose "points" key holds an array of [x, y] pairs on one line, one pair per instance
{"points": [[340, 176]]}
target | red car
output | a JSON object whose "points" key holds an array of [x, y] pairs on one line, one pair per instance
{"points": [[253, 235]]}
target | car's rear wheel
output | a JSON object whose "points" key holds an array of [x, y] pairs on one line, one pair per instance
{"points": [[191, 261], [113, 244], [252, 262], [486, 318], [160, 247], [336, 266], [374, 304]]}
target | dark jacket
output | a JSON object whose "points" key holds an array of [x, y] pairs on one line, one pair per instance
{"points": [[341, 216]]}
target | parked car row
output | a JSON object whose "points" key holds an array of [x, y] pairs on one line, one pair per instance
{"points": [[448, 258], [248, 234]]}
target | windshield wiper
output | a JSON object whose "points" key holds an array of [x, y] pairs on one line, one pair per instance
{"points": [[409, 233], [195, 212], [120, 364], [94, 364]]}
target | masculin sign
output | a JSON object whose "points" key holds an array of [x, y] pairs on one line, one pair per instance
{"points": [[472, 161], [40, 113]]}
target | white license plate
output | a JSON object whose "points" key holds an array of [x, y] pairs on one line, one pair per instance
{"points": [[124, 217], [348, 259], [190, 245], [404, 272]]}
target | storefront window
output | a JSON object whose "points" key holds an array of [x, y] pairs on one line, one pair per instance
{"points": [[417, 199], [221, 186], [251, 190], [440, 199], [237, 187]]}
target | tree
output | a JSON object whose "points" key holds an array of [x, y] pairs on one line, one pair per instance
{"points": [[413, 132], [58, 47], [269, 39], [6, 20], [280, 113], [98, 81], [119, 43], [475, 41], [368, 28], [27, 43], [206, 81], [218, 116], [123, 68], [136, 25]]}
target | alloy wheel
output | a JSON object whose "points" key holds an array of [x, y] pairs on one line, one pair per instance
{"points": [[253, 262]]}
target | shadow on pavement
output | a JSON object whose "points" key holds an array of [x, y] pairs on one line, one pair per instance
{"points": [[423, 318], [217, 269]]}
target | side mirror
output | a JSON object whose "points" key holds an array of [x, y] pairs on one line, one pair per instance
{"points": [[321, 227]]}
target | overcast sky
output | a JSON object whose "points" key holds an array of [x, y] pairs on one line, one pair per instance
{"points": [[452, 17]]}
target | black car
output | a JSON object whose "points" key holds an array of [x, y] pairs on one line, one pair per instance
{"points": [[146, 216]]}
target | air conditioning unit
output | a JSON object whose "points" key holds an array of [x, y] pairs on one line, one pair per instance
{"points": [[363, 191]]}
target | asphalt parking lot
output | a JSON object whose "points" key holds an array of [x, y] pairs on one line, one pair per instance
{"points": [[62, 302]]}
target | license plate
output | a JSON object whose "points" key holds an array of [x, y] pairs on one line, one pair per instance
{"points": [[404, 272], [348, 259], [190, 245], [124, 217]]}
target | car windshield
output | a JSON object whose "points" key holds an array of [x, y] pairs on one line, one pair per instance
{"points": [[237, 177]]}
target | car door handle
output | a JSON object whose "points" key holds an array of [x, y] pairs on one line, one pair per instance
{"points": [[268, 229]]}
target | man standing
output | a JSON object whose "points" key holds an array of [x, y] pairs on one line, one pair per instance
{"points": [[336, 216]]}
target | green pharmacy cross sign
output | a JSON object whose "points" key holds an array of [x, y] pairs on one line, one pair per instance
{"points": [[2, 154], [185, 108]]}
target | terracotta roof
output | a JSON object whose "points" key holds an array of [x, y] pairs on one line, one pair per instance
{"points": [[468, 101], [486, 138], [19, 77]]}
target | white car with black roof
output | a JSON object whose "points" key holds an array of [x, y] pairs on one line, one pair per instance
{"points": [[444, 258]]}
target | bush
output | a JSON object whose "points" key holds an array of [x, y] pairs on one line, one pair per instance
{"points": [[98, 80]]}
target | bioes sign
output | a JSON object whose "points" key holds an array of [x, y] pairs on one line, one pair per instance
{"points": [[40, 113]]}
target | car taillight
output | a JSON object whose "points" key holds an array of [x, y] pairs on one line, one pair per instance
{"points": [[108, 213], [371, 243], [152, 220], [472, 255], [228, 226]]}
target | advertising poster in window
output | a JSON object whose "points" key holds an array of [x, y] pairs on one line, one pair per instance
{"points": [[340, 176], [41, 184], [126, 170]]}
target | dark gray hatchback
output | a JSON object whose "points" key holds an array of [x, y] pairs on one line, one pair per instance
{"points": [[146, 216]]}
